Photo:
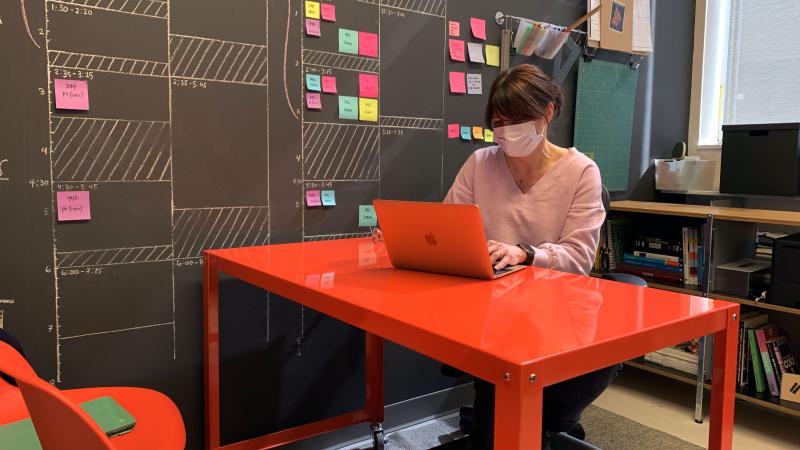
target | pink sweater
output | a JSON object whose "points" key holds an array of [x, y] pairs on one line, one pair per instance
{"points": [[560, 215]]}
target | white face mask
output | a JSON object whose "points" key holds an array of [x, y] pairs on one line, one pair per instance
{"points": [[520, 140]]}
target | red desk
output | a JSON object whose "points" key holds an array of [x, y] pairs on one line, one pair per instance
{"points": [[522, 332]]}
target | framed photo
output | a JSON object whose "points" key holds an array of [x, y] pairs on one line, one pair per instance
{"points": [[617, 16]]}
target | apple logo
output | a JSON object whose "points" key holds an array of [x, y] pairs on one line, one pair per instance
{"points": [[430, 238]]}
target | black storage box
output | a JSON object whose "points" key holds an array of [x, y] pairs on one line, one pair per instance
{"points": [[761, 159], [785, 289]]}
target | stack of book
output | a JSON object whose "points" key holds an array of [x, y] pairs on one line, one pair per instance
{"points": [[682, 357], [764, 355], [613, 241], [667, 259]]}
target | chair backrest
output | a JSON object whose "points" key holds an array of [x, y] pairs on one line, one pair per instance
{"points": [[59, 423], [606, 198]]}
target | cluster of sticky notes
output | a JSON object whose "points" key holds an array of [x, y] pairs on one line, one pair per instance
{"points": [[467, 133], [355, 108], [475, 50], [316, 11], [315, 198], [73, 205], [71, 94], [469, 83], [358, 43], [367, 216], [316, 85]]}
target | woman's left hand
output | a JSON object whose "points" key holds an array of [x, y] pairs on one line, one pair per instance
{"points": [[502, 255]]}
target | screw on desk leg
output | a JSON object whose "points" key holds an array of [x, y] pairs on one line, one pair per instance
{"points": [[507, 376]]}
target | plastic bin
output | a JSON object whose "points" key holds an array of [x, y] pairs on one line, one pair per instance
{"points": [[685, 175]]}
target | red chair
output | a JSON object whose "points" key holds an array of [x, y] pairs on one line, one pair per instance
{"points": [[61, 424]]}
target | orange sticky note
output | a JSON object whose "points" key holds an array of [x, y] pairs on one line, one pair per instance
{"points": [[456, 50], [477, 132], [453, 28]]}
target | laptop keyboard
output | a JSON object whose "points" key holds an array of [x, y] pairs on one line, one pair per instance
{"points": [[501, 271]]}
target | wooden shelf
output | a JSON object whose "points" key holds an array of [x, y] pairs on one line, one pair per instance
{"points": [[791, 218], [762, 400], [748, 302]]}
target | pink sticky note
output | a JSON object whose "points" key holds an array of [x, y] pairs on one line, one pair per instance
{"points": [[458, 83], [313, 100], [72, 94], [73, 205], [329, 12], [453, 28], [456, 49], [312, 27], [478, 28], [328, 84], [368, 44], [368, 85], [453, 131], [313, 198]]}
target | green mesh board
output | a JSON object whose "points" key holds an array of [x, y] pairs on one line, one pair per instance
{"points": [[604, 118]]}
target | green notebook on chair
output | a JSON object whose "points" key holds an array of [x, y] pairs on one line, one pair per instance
{"points": [[107, 413]]}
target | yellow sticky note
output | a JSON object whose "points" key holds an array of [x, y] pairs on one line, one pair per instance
{"points": [[492, 55], [477, 132], [368, 109], [488, 135], [312, 10]]}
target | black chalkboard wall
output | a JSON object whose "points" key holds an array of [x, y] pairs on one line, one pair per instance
{"points": [[198, 137]]}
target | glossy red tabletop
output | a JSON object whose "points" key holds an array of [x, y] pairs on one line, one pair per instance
{"points": [[520, 320]]}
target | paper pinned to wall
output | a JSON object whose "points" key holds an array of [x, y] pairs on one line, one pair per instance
{"points": [[368, 85], [313, 27], [478, 28], [456, 49], [312, 9], [313, 100], [458, 83], [328, 84], [328, 12], [368, 44], [313, 198], [604, 117], [488, 135], [313, 82], [466, 133], [367, 216], [453, 28], [477, 133], [71, 94], [492, 55], [328, 198], [642, 31], [475, 52], [348, 41], [367, 110], [73, 205], [452, 130], [474, 84], [348, 107]]}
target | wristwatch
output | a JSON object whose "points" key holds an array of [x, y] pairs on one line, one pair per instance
{"points": [[529, 253]]}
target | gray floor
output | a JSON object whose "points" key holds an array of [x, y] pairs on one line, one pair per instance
{"points": [[604, 429]]}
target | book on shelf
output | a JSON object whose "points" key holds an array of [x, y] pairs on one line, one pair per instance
{"points": [[763, 334], [682, 357], [764, 355]]}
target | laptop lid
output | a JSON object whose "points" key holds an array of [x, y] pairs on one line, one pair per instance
{"points": [[435, 237]]}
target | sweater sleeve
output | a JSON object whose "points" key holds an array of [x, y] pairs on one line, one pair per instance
{"points": [[461, 192], [576, 248]]}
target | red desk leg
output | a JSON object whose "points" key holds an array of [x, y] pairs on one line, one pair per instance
{"points": [[723, 387], [518, 415], [374, 365], [211, 344]]}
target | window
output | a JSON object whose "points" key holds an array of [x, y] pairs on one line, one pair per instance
{"points": [[750, 66]]}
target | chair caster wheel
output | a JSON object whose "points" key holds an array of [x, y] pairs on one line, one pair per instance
{"points": [[378, 437]]}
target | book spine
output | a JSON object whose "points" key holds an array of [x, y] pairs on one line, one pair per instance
{"points": [[755, 358], [740, 357], [776, 367], [657, 262], [650, 273], [659, 256], [650, 265], [774, 389], [693, 256], [685, 232], [612, 263]]}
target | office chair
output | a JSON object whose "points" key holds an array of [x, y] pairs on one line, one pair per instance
{"points": [[620, 277], [60, 423]]}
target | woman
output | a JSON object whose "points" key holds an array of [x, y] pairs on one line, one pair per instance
{"points": [[541, 204]]}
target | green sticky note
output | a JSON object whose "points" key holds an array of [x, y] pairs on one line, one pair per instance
{"points": [[313, 82], [348, 41], [328, 198], [348, 107], [466, 133], [367, 216]]}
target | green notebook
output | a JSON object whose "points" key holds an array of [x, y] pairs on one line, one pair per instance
{"points": [[109, 415]]}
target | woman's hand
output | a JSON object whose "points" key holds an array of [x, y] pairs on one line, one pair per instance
{"points": [[502, 255]]}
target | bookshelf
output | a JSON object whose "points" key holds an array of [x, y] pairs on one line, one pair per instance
{"points": [[731, 236]]}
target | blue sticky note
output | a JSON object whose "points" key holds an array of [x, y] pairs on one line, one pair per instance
{"points": [[348, 107], [328, 198], [348, 41], [367, 216], [466, 133], [313, 82]]}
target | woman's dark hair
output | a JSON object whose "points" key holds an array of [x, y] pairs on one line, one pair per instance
{"points": [[522, 93]]}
